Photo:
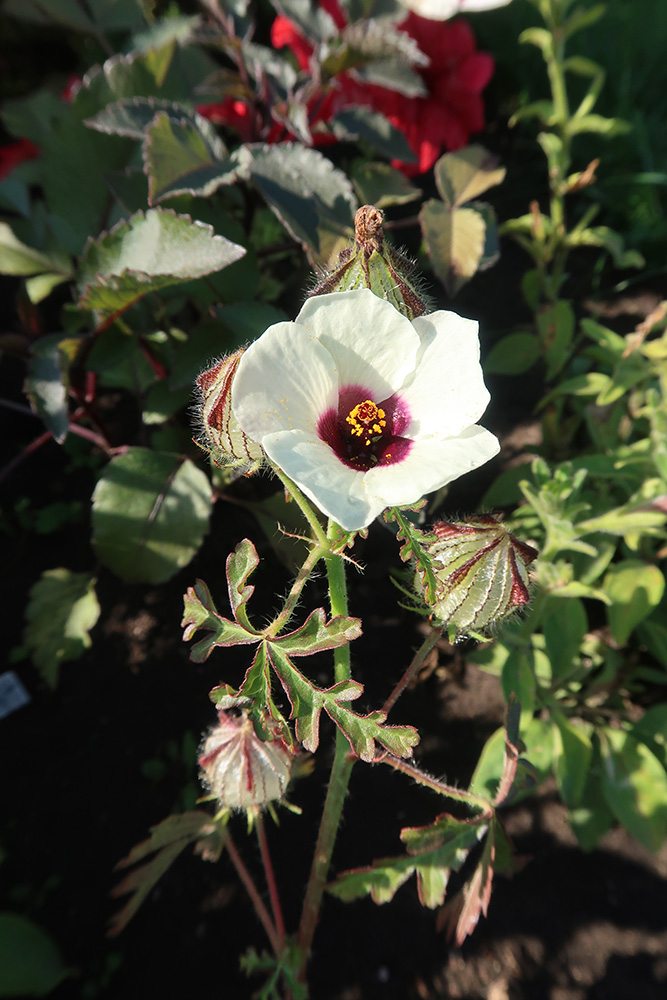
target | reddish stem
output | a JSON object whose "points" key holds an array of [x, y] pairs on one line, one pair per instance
{"points": [[270, 879], [251, 889]]}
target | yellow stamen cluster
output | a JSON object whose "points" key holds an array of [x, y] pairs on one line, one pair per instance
{"points": [[366, 420]]}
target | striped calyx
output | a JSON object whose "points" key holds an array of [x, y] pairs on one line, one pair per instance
{"points": [[239, 768], [481, 572], [220, 433], [373, 263]]}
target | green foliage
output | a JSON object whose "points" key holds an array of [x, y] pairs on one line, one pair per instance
{"points": [[62, 610], [30, 963]]}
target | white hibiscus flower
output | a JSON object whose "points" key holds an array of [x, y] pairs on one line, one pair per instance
{"points": [[441, 10], [363, 408]]}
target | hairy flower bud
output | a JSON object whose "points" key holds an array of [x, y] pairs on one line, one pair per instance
{"points": [[481, 571], [220, 433], [239, 768], [373, 263]]}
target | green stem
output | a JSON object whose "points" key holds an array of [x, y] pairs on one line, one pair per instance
{"points": [[281, 620], [417, 660], [438, 786], [338, 781], [304, 506]]}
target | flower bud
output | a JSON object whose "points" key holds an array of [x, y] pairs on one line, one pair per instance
{"points": [[239, 768], [373, 263], [220, 433], [481, 571]]}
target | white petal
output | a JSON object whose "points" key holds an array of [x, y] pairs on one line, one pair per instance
{"points": [[333, 486], [432, 463], [285, 380], [373, 344], [447, 391]]}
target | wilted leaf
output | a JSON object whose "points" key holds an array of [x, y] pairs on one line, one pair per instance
{"points": [[149, 252], [166, 841], [62, 610], [30, 963], [461, 915], [150, 514]]}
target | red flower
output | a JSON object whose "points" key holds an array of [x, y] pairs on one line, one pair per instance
{"points": [[18, 152], [455, 77], [231, 112]]}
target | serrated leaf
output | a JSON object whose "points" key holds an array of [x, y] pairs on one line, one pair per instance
{"points": [[635, 787], [361, 731], [180, 159], [307, 701], [199, 612], [30, 963], [150, 251], [316, 634], [434, 852], [130, 117], [466, 174], [375, 129], [634, 588], [150, 514], [455, 240], [166, 841], [513, 355], [303, 189], [62, 609]]}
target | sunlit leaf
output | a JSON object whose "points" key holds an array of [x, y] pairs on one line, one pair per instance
{"points": [[180, 159], [466, 174], [455, 240], [635, 588], [149, 252], [150, 514], [635, 786]]}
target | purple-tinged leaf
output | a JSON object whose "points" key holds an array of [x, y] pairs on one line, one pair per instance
{"points": [[316, 634], [307, 701], [362, 731], [460, 915], [256, 688], [512, 750], [166, 842], [199, 612], [240, 565], [432, 866]]}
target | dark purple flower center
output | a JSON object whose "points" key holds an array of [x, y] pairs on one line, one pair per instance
{"points": [[364, 433]]}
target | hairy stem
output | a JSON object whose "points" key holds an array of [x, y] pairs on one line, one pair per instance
{"points": [[338, 781], [434, 783], [427, 645]]}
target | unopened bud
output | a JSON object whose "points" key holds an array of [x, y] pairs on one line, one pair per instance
{"points": [[220, 433], [481, 572], [239, 768], [373, 263]]}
